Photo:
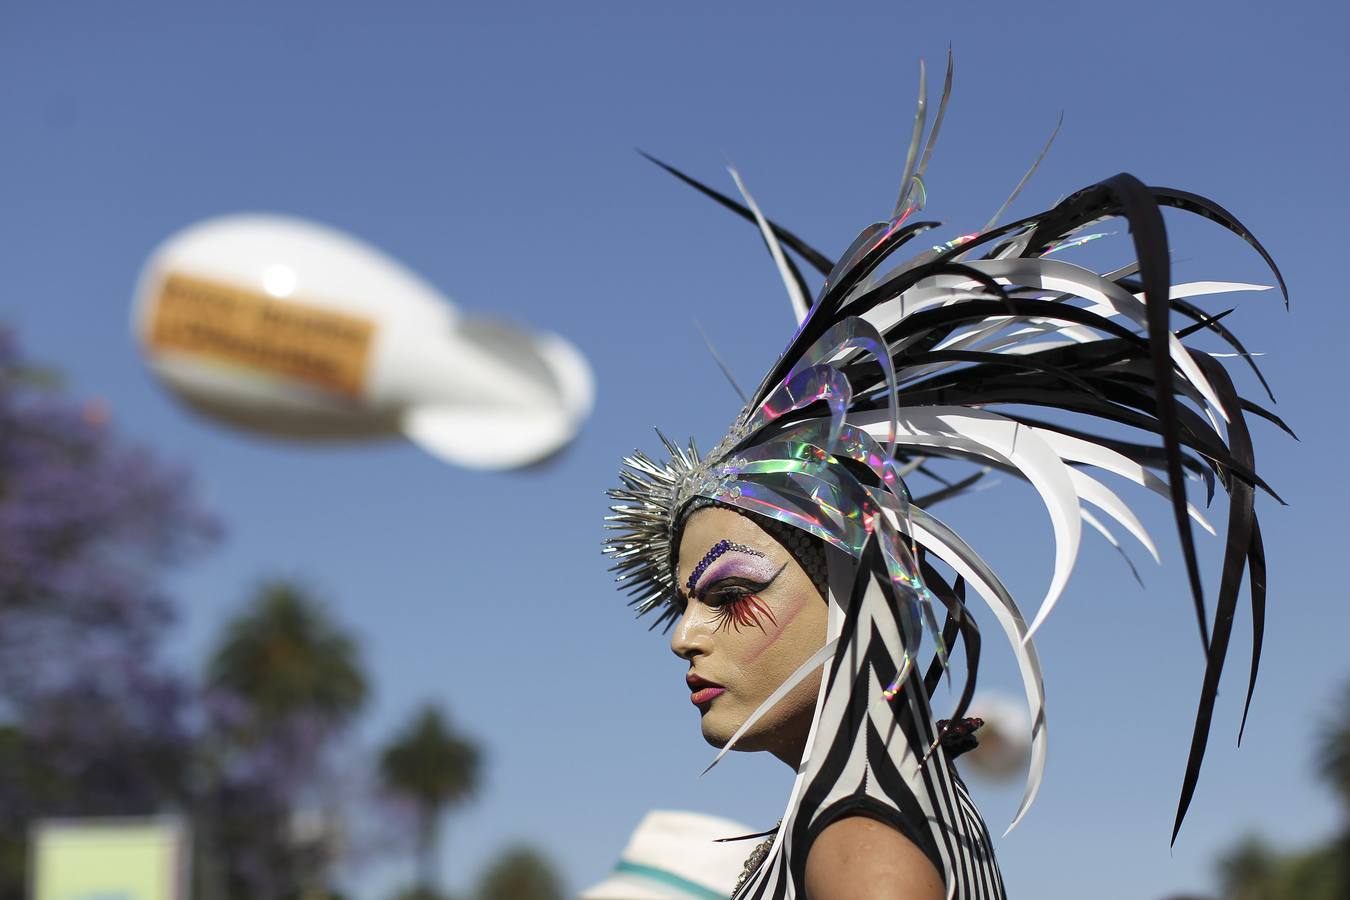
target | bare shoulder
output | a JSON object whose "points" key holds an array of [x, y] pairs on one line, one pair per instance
{"points": [[858, 858]]}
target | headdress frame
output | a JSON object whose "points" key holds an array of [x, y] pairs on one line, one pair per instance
{"points": [[888, 369]]}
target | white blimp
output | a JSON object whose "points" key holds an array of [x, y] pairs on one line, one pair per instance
{"points": [[295, 330]]}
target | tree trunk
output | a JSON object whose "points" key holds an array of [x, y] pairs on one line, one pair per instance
{"points": [[428, 849], [1343, 840]]}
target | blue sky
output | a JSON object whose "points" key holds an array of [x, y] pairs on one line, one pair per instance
{"points": [[491, 149]]}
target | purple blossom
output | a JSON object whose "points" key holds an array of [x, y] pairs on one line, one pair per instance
{"points": [[87, 522], [90, 721]]}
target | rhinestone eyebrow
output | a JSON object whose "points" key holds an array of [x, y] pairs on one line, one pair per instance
{"points": [[714, 552]]}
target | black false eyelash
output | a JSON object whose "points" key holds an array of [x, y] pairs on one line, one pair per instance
{"points": [[746, 609]]}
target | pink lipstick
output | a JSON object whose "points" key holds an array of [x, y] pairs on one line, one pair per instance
{"points": [[703, 690], [704, 695]]}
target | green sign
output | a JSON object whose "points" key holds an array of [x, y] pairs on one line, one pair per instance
{"points": [[110, 859]]}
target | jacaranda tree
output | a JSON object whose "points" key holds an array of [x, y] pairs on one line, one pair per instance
{"points": [[91, 722]]}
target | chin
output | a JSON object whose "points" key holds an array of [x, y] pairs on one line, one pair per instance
{"points": [[720, 724], [717, 730], [714, 732]]}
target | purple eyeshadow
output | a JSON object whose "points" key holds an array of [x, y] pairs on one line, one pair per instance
{"points": [[713, 554], [757, 571]]}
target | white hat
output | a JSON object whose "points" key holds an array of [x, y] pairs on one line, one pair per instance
{"points": [[675, 856]]}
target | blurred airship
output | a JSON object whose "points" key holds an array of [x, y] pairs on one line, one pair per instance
{"points": [[295, 330], [1005, 738]]}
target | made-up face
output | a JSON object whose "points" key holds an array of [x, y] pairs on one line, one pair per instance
{"points": [[752, 616]]}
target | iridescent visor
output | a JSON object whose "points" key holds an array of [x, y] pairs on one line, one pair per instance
{"points": [[797, 483]]}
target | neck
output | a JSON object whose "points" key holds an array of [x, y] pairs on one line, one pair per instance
{"points": [[789, 743]]}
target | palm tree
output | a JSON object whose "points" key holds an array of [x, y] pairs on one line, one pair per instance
{"points": [[520, 873], [436, 769], [1249, 871], [1252, 870], [1333, 756], [287, 680], [288, 663], [1333, 761]]}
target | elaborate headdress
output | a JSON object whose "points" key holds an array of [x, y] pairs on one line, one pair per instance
{"points": [[949, 354]]}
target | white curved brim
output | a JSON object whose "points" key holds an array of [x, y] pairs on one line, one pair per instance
{"points": [[633, 887]]}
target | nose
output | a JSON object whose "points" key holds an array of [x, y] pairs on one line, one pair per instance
{"points": [[689, 639]]}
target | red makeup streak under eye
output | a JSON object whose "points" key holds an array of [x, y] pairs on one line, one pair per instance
{"points": [[779, 628]]}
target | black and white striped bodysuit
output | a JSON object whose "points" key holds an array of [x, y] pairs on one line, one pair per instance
{"points": [[880, 758]]}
